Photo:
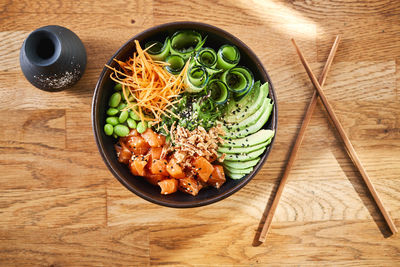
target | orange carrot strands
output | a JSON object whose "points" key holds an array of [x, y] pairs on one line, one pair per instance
{"points": [[154, 90]]}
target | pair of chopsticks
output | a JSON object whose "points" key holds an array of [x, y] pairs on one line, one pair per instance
{"points": [[349, 147]]}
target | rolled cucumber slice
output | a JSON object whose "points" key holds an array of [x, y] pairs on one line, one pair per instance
{"points": [[185, 42], [228, 57], [158, 50], [196, 79]]}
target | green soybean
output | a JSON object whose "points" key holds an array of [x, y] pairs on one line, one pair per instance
{"points": [[112, 111], [115, 136], [121, 106], [134, 116], [118, 87], [121, 130], [114, 100], [131, 123], [141, 127], [108, 129], [112, 120], [123, 116]]}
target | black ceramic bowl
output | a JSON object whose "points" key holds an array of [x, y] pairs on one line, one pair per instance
{"points": [[216, 38]]}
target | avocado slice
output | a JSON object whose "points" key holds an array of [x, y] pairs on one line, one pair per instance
{"points": [[244, 157], [259, 137], [235, 176], [241, 164], [252, 128], [250, 107], [243, 149], [238, 171], [233, 105], [250, 120]]}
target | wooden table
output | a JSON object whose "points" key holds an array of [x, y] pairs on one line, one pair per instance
{"points": [[60, 206]]}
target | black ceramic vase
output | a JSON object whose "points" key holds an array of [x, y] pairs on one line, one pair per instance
{"points": [[53, 58]]}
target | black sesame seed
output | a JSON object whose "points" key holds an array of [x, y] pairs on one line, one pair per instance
{"points": [[230, 148], [189, 184], [247, 140], [160, 170]]}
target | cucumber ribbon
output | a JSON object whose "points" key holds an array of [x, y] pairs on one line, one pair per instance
{"points": [[239, 80], [185, 42], [157, 50], [228, 57]]}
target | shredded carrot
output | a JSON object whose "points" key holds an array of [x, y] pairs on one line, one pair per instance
{"points": [[153, 89]]}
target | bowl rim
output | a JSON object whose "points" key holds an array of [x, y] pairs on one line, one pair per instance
{"points": [[213, 199]]}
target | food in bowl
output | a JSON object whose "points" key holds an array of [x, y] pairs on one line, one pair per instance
{"points": [[186, 116]]}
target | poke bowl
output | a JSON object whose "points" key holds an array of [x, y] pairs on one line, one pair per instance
{"points": [[214, 123]]}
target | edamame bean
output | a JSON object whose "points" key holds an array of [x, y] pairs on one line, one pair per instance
{"points": [[121, 106], [123, 116], [114, 100], [115, 136], [108, 129], [121, 130], [141, 127], [112, 111], [118, 87], [134, 116], [131, 123], [112, 120]]}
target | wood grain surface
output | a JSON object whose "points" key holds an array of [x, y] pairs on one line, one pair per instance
{"points": [[60, 206]]}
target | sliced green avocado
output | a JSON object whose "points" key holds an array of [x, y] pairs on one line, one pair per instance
{"points": [[241, 164], [250, 107], [243, 149], [233, 105], [235, 176], [253, 128], [243, 156], [250, 120], [238, 171], [259, 137]]}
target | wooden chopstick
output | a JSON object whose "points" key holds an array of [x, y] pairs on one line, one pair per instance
{"points": [[297, 144], [349, 147]]}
